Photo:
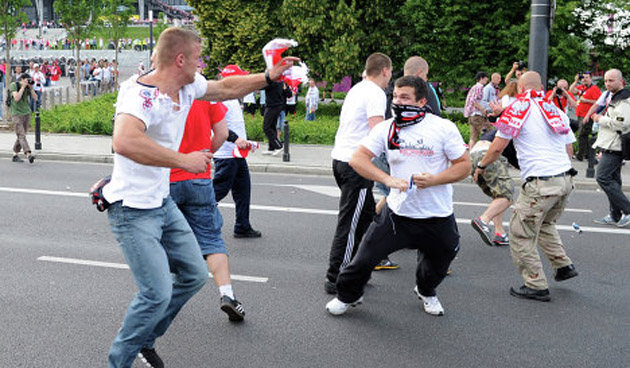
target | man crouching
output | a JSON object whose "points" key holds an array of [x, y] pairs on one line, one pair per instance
{"points": [[426, 153]]}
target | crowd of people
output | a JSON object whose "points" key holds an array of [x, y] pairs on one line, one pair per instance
{"points": [[161, 198]]}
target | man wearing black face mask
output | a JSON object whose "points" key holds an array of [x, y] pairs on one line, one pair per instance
{"points": [[426, 154]]}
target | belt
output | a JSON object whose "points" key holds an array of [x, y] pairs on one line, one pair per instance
{"points": [[568, 172], [611, 152]]}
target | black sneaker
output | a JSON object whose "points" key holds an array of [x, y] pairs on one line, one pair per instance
{"points": [[17, 159], [233, 308], [565, 273], [330, 287], [31, 158], [483, 229], [529, 293], [251, 233], [150, 358], [386, 264]]}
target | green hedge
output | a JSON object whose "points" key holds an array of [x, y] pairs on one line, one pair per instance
{"points": [[94, 117]]}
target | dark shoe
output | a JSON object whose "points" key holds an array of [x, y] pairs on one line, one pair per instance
{"points": [[251, 233], [483, 229], [579, 158], [330, 287], [150, 358], [565, 273], [233, 308], [31, 158], [386, 264], [528, 293], [17, 159]]}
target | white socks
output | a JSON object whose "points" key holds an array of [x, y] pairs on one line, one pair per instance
{"points": [[227, 290]]}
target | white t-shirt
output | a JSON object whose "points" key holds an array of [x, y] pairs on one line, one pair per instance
{"points": [[236, 123], [107, 74], [142, 186], [428, 146], [39, 78], [292, 100], [365, 100], [541, 152]]}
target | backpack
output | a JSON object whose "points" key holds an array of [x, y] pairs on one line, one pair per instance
{"points": [[9, 98]]}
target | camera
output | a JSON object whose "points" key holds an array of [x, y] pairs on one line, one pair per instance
{"points": [[559, 91], [580, 75], [521, 65], [31, 82]]}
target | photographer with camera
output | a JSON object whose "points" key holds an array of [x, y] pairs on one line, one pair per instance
{"points": [[518, 68], [39, 79], [587, 93], [21, 114], [561, 97]]}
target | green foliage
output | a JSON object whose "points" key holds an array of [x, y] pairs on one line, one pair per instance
{"points": [[11, 16], [89, 117]]}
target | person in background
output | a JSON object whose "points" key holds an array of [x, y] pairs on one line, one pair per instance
{"points": [[312, 100], [20, 112]]}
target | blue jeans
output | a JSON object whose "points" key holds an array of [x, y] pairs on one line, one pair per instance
{"points": [[310, 116], [381, 163], [281, 119], [195, 198], [233, 174], [37, 104], [164, 258], [609, 179]]}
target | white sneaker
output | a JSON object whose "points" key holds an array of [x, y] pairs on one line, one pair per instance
{"points": [[276, 152], [431, 303], [336, 307], [267, 152]]}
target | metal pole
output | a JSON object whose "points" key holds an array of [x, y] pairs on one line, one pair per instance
{"points": [[38, 127], [286, 156], [539, 38], [590, 170], [150, 34]]}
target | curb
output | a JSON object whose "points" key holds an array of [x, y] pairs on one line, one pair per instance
{"points": [[264, 168]]}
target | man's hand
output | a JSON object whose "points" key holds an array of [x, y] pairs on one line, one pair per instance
{"points": [[197, 162], [423, 180], [514, 66], [282, 65], [476, 174], [242, 143], [397, 183], [577, 78], [596, 117], [497, 108], [23, 83]]}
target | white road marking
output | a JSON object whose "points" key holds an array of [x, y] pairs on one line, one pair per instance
{"points": [[606, 230], [123, 266]]}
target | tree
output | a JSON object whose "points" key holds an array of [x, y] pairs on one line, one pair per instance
{"points": [[236, 30], [11, 16], [117, 14], [79, 18]]}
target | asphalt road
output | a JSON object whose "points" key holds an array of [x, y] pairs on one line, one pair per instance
{"points": [[59, 314]]}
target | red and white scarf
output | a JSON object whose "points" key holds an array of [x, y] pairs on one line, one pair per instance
{"points": [[513, 117]]}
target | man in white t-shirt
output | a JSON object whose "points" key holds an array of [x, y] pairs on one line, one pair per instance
{"points": [[425, 153], [544, 144], [157, 242], [363, 108], [38, 79]]}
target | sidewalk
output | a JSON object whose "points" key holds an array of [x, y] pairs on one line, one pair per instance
{"points": [[304, 159]]}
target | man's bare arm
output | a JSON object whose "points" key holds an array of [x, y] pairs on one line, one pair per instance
{"points": [[130, 140], [374, 120], [220, 131]]}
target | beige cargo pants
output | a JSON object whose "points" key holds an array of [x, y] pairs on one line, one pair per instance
{"points": [[533, 222]]}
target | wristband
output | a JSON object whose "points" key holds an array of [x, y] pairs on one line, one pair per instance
{"points": [[232, 137], [481, 167], [267, 77]]}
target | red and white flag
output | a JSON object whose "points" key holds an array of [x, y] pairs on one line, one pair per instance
{"points": [[296, 75], [242, 153], [272, 52]]}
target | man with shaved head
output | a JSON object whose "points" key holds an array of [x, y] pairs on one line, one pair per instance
{"points": [[561, 97], [544, 143], [613, 122], [418, 67], [491, 91]]}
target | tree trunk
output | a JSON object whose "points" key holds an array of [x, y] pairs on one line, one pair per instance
{"points": [[78, 70]]}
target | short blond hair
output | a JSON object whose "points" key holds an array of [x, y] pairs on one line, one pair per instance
{"points": [[174, 41]]}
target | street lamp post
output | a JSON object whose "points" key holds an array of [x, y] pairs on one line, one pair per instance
{"points": [[150, 33]]}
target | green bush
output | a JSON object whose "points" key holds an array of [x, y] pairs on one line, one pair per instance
{"points": [[89, 117]]}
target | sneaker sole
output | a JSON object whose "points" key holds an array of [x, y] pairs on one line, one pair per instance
{"points": [[624, 225], [478, 229], [352, 305], [499, 244], [379, 268], [539, 298], [233, 314]]}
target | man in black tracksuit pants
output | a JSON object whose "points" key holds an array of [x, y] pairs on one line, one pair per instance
{"points": [[363, 108], [276, 96]]}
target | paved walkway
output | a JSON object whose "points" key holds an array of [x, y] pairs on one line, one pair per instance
{"points": [[304, 159]]}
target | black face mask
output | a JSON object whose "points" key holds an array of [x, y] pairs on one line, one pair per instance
{"points": [[404, 116]]}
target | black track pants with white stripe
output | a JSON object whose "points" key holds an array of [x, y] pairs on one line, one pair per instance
{"points": [[356, 212]]}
